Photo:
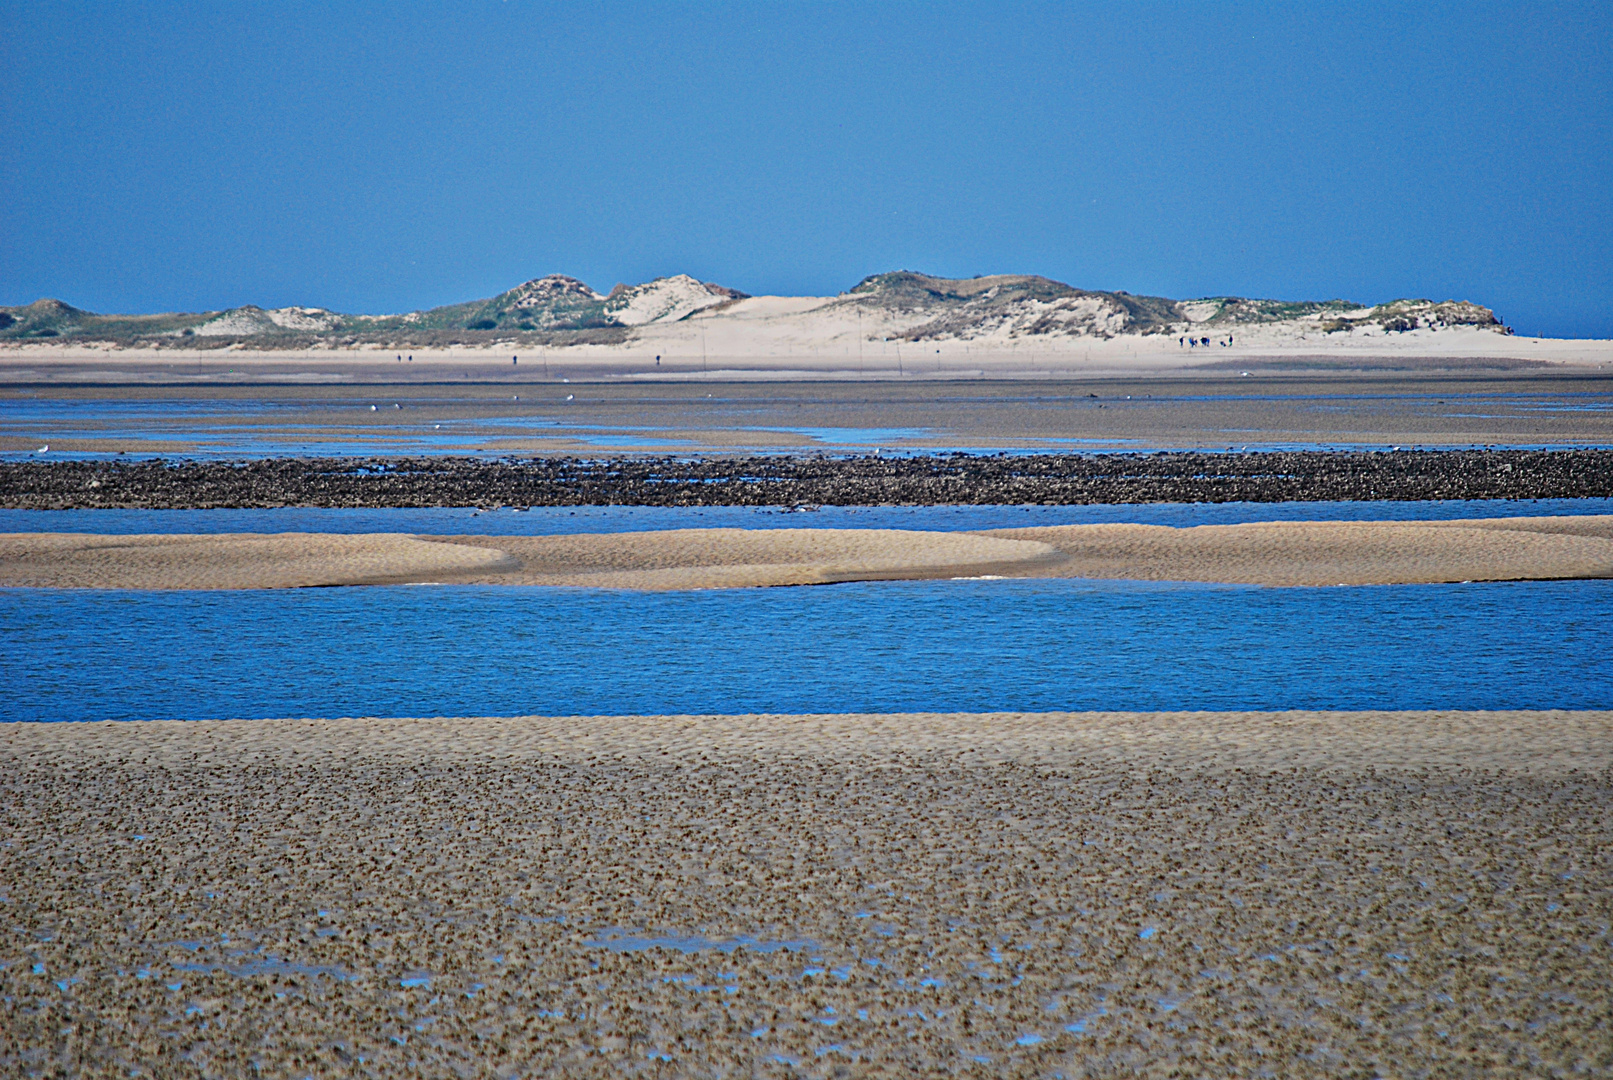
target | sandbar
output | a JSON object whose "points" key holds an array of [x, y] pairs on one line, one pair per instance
{"points": [[1265, 553], [233, 560], [1334, 552]]}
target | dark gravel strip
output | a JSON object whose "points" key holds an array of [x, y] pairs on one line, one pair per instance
{"points": [[1060, 479]]}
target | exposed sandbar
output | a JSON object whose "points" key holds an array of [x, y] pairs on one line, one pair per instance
{"points": [[1208, 894], [234, 560], [723, 558], [1334, 552], [1267, 553]]}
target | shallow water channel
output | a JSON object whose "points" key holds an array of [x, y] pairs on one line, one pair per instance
{"points": [[865, 647]]}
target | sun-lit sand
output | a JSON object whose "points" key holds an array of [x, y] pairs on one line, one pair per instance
{"points": [[1268, 553], [721, 558], [1335, 552], [232, 561], [1294, 894], [810, 338]]}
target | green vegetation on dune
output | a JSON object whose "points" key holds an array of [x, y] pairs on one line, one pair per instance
{"points": [[559, 310]]}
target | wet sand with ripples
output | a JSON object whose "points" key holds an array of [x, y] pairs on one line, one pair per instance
{"points": [[1300, 894]]}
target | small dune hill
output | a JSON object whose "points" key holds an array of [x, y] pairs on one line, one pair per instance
{"points": [[554, 302], [1336, 316], [557, 310], [253, 320], [1013, 305], [666, 300], [44, 320], [560, 303]]}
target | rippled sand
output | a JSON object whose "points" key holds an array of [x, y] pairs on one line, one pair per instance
{"points": [[1266, 553], [1295, 894]]}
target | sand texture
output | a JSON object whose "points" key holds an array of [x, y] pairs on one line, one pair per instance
{"points": [[1334, 552], [233, 561], [723, 558], [1271, 553], [1293, 894]]}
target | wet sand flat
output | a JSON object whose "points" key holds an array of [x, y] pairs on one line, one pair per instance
{"points": [[1208, 894], [88, 412], [1268, 553]]}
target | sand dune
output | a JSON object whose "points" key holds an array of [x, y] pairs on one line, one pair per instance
{"points": [[1205, 894], [1267, 553]]}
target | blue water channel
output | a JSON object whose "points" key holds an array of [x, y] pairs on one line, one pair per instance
{"points": [[880, 647]]}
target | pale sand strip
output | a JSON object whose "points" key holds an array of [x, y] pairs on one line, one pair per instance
{"points": [[1334, 552], [676, 559], [1268, 553], [234, 560], [726, 558], [1556, 741]]}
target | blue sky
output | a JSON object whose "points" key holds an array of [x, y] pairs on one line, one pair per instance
{"points": [[384, 157]]}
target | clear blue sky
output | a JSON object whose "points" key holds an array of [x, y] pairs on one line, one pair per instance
{"points": [[391, 156]]}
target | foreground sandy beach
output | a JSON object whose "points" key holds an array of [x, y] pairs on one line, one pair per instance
{"points": [[1299, 894], [1269, 553]]}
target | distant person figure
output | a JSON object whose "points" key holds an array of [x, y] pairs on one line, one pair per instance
{"points": [[1229, 339], [514, 360], [1192, 343], [657, 361], [1204, 341], [1180, 342]]}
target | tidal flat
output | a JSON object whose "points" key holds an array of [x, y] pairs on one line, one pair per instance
{"points": [[1232, 894]]}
